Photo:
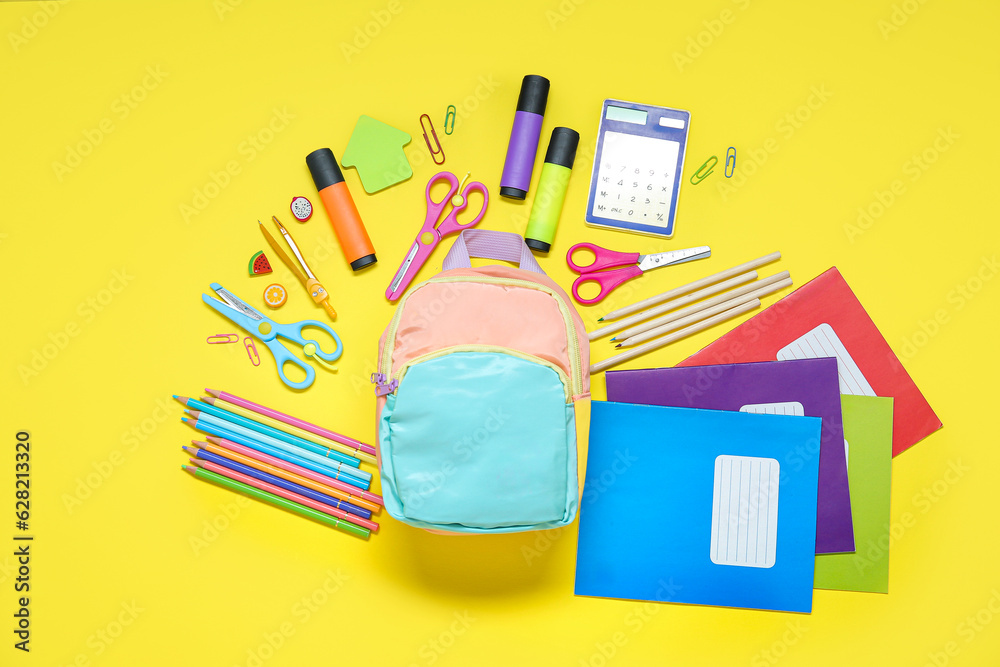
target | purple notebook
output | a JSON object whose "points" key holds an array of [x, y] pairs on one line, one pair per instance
{"points": [[804, 387]]}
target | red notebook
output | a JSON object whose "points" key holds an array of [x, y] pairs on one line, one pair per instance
{"points": [[823, 318]]}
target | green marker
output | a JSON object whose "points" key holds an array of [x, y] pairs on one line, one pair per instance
{"points": [[551, 193]]}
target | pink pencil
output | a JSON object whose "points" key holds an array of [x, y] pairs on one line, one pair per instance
{"points": [[294, 421], [353, 491], [288, 495]]}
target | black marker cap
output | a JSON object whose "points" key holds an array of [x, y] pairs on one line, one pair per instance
{"points": [[562, 147], [513, 193], [324, 169], [535, 244], [362, 262], [534, 94]]}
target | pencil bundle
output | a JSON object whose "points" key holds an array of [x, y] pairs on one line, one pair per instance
{"points": [[282, 460], [660, 320]]}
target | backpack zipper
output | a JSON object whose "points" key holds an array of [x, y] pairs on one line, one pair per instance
{"points": [[576, 363], [397, 377]]}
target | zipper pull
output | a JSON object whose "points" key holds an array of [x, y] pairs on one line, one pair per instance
{"points": [[381, 387]]}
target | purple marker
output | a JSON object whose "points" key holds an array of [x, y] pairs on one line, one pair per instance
{"points": [[524, 136]]}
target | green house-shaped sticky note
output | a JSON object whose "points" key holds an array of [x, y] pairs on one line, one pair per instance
{"points": [[868, 436], [376, 151]]}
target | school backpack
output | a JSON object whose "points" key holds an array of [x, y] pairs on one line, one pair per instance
{"points": [[479, 376]]}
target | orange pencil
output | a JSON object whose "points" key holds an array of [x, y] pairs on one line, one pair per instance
{"points": [[222, 448]]}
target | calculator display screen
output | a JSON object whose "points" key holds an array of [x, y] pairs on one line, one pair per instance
{"points": [[637, 116], [636, 179]]}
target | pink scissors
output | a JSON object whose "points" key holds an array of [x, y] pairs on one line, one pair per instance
{"points": [[634, 263], [434, 228]]}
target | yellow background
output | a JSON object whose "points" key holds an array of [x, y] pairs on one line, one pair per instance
{"points": [[893, 76]]}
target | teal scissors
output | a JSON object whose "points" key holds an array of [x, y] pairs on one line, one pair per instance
{"points": [[267, 331]]}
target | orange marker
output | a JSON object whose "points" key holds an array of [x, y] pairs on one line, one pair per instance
{"points": [[347, 225]]}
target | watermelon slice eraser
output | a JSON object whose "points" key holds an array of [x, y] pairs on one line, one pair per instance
{"points": [[259, 264]]}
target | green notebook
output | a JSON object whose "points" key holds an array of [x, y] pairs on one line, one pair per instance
{"points": [[868, 435]]}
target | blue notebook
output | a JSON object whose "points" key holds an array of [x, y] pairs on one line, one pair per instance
{"points": [[699, 506]]}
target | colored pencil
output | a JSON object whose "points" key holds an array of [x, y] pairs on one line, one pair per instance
{"points": [[270, 431], [685, 316], [697, 284], [677, 335], [287, 495], [345, 470], [632, 320], [238, 466], [277, 501], [293, 473], [291, 429], [294, 421], [211, 429]]}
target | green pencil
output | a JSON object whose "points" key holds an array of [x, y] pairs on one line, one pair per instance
{"points": [[277, 501]]}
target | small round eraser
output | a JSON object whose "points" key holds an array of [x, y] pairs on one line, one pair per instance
{"points": [[275, 295], [302, 209]]}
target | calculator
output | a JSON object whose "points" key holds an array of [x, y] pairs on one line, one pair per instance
{"points": [[637, 168]]}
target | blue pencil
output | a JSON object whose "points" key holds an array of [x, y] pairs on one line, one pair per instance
{"points": [[264, 429], [277, 481], [343, 468], [212, 429]]}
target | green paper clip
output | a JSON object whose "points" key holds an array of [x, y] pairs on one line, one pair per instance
{"points": [[701, 174], [449, 115]]}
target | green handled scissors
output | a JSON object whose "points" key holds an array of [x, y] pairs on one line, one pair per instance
{"points": [[267, 331]]}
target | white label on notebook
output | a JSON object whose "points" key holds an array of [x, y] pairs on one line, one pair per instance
{"points": [[786, 408], [847, 453], [745, 511], [823, 342]]}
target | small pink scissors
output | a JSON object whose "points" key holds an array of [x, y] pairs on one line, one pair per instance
{"points": [[634, 263], [434, 228]]}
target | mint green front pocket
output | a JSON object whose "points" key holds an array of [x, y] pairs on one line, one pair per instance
{"points": [[479, 441]]}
